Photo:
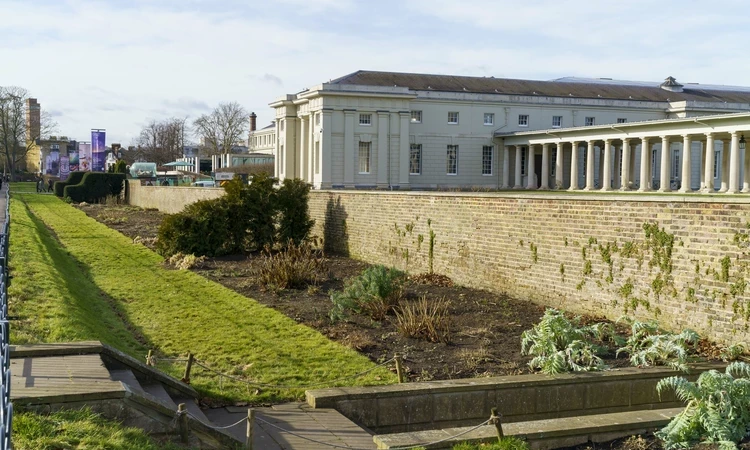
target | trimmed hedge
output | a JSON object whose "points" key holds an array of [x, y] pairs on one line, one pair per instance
{"points": [[73, 178], [95, 187]]}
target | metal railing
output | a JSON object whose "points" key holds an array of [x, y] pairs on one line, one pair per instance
{"points": [[6, 407]]}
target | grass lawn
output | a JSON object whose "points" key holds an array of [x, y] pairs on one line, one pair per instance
{"points": [[78, 429], [97, 284], [21, 187]]}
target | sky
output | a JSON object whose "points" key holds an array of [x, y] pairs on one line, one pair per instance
{"points": [[117, 64]]}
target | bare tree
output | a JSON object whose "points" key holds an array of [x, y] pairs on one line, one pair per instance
{"points": [[17, 137], [162, 141], [222, 129]]}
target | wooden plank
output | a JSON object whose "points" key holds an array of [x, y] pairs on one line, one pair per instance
{"points": [[58, 349]]}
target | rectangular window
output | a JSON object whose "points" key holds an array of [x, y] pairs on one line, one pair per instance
{"points": [[364, 157], [653, 163], [487, 151], [622, 120], [717, 155], [524, 152], [552, 162], [415, 159], [317, 158], [453, 118], [675, 164], [452, 160], [365, 119], [489, 119], [416, 117], [523, 120], [556, 121], [589, 121]]}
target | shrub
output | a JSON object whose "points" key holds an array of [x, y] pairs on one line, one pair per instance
{"points": [[425, 320], [649, 346], [717, 411], [73, 178], [506, 443], [374, 292], [562, 345], [294, 218], [200, 229], [186, 262], [120, 166], [254, 218], [95, 186], [295, 267]]}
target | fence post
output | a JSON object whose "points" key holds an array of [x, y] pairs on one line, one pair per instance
{"points": [[182, 422], [495, 420], [149, 358], [399, 368], [250, 424], [186, 378]]}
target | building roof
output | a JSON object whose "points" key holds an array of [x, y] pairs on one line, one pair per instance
{"points": [[565, 87]]}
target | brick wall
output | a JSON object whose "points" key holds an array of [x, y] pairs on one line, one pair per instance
{"points": [[588, 254]]}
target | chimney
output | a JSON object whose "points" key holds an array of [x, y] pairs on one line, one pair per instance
{"points": [[33, 119], [253, 119]]}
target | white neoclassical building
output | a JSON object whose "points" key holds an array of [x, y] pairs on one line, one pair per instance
{"points": [[418, 131]]}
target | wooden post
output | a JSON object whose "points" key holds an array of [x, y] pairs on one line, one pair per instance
{"points": [[399, 368], [250, 424], [188, 366], [149, 358], [182, 422], [495, 420]]}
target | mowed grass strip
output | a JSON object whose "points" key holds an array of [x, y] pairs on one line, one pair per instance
{"points": [[179, 311], [23, 187], [50, 294]]}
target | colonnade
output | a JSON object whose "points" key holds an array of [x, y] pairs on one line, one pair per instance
{"points": [[623, 150]]}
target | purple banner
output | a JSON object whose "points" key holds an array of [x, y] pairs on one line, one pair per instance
{"points": [[98, 150], [84, 157], [64, 167]]}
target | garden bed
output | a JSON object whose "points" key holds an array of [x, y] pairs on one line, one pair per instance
{"points": [[486, 327]]}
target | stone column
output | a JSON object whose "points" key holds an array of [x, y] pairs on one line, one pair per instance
{"points": [[381, 175], [617, 158], [687, 159], [198, 161], [506, 167], [348, 147], [664, 177], [645, 185], [305, 159], [326, 158], [312, 171], [606, 177], [559, 166], [531, 167], [404, 150], [574, 167], [734, 164], [625, 168], [214, 163], [590, 167], [708, 171], [517, 177], [746, 171], [702, 172], [724, 165], [545, 166]]}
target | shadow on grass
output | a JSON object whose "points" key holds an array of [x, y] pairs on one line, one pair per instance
{"points": [[87, 312]]}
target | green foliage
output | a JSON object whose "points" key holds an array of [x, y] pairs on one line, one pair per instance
{"points": [[294, 218], [120, 166], [717, 411], [78, 429], [562, 345], [648, 345], [295, 267], [661, 244], [202, 228], [375, 292], [73, 178], [95, 187], [506, 443]]}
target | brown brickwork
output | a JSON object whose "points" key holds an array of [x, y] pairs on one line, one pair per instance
{"points": [[522, 244]]}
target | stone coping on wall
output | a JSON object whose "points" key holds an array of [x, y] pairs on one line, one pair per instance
{"points": [[627, 196]]}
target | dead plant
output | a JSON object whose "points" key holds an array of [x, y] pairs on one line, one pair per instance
{"points": [[295, 267], [425, 320]]}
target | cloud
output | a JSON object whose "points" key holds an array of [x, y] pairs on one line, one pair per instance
{"points": [[186, 104]]}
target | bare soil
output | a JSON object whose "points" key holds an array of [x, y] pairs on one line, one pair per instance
{"points": [[485, 330]]}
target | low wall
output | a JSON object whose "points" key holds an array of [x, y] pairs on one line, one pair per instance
{"points": [[168, 199], [601, 254], [456, 403]]}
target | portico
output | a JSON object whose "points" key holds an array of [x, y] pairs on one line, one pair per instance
{"points": [[696, 154]]}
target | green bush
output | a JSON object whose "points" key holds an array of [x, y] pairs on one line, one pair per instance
{"points": [[562, 345], [375, 292], [717, 411], [73, 178], [294, 217], [202, 229], [649, 346], [95, 187]]}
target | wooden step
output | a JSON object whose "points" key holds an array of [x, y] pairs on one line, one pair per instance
{"points": [[126, 376], [541, 434], [158, 391]]}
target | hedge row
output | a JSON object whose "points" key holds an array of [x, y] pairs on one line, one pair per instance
{"points": [[94, 187], [73, 178]]}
